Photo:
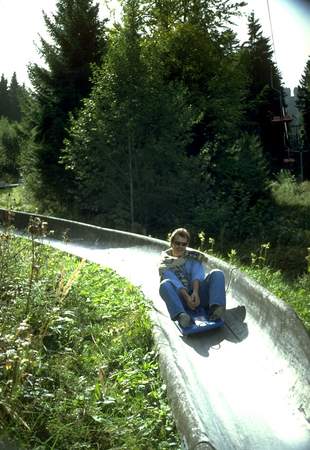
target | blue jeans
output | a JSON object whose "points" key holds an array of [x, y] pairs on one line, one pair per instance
{"points": [[211, 292]]}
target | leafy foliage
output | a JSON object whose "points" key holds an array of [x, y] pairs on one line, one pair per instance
{"points": [[211, 15], [238, 179], [197, 49], [129, 139]]}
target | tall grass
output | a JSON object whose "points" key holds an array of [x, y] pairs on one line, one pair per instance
{"points": [[294, 291], [17, 199], [287, 191], [79, 369]]}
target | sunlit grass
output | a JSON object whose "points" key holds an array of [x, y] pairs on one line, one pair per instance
{"points": [[16, 199], [78, 364], [287, 191], [295, 291]]}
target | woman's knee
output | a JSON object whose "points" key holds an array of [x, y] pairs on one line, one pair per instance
{"points": [[217, 274], [165, 286]]}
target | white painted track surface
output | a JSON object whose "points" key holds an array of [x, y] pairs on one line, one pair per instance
{"points": [[233, 388]]}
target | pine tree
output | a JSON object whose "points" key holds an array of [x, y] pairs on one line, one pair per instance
{"points": [[77, 41], [15, 98], [303, 101], [264, 90], [4, 97]]}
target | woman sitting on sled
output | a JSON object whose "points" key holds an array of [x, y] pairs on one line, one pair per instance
{"points": [[184, 284]]}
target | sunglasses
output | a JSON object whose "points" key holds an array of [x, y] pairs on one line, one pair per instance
{"points": [[180, 244]]}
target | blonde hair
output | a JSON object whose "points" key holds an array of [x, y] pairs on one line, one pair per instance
{"points": [[181, 232]]}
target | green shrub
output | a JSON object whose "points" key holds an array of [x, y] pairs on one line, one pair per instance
{"points": [[232, 202]]}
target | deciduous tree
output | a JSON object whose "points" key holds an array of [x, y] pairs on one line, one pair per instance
{"points": [[198, 49], [126, 150]]}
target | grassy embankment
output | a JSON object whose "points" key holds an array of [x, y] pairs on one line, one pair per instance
{"points": [[291, 258], [281, 261], [78, 365]]}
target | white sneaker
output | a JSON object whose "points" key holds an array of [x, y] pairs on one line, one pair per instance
{"points": [[184, 320]]}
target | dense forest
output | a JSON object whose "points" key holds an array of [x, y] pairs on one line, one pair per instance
{"points": [[162, 120]]}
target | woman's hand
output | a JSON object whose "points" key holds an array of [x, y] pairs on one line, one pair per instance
{"points": [[193, 300]]}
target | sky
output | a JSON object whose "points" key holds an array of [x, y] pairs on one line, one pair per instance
{"points": [[289, 31], [21, 22]]}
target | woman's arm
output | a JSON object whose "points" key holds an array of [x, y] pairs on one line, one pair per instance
{"points": [[171, 276], [197, 275]]}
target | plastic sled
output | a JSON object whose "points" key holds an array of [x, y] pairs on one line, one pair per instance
{"points": [[201, 322]]}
